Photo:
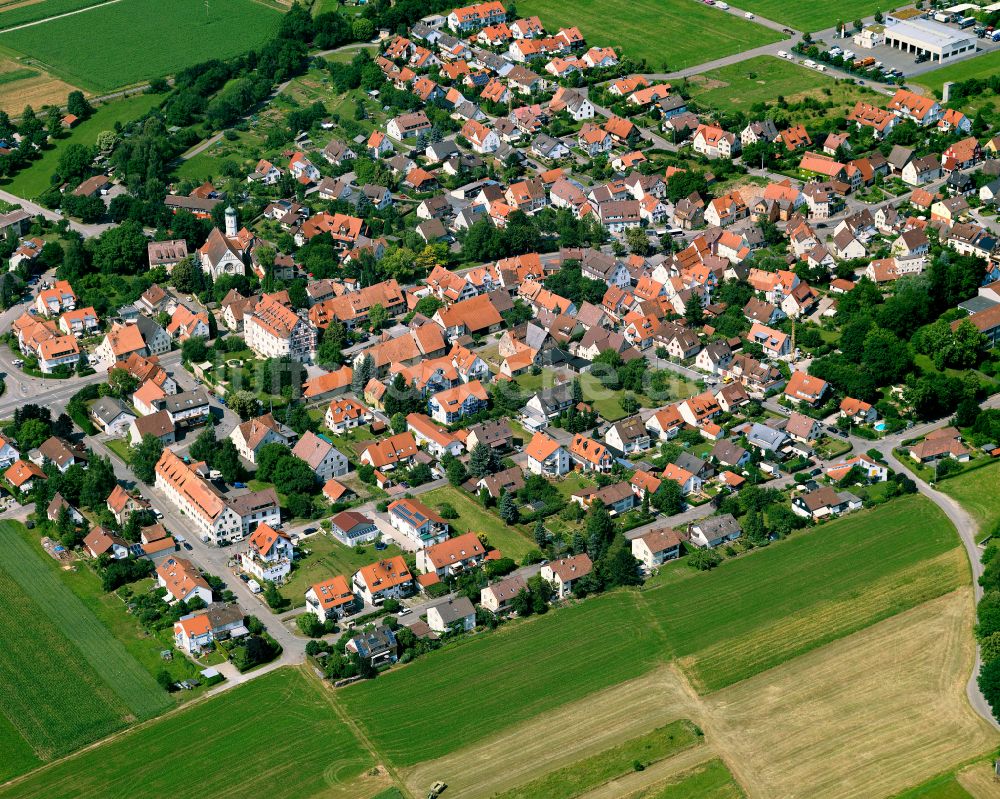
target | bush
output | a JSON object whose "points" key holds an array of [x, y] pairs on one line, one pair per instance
{"points": [[309, 624], [447, 511], [704, 559]]}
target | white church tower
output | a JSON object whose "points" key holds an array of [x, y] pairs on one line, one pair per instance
{"points": [[231, 229]]}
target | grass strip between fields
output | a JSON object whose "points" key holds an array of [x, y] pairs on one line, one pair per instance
{"points": [[578, 777], [711, 780], [105, 653]]}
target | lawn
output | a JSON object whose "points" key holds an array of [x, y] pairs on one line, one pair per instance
{"points": [[981, 66], [976, 492], [473, 517], [583, 775], [35, 179], [738, 87], [710, 780], [135, 40], [755, 612], [327, 557], [813, 17], [522, 670], [668, 34], [278, 736]]}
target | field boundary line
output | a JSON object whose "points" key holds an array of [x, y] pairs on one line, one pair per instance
{"points": [[59, 16], [356, 729]]}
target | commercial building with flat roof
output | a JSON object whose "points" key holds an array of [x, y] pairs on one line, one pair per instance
{"points": [[919, 36]]}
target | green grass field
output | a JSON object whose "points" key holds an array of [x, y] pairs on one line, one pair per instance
{"points": [[579, 777], [648, 29], [135, 40], [18, 756], [943, 787], [549, 661], [710, 780], [278, 736], [974, 491], [979, 67], [738, 87], [37, 178], [25, 13], [474, 518], [814, 17], [70, 681], [753, 613]]}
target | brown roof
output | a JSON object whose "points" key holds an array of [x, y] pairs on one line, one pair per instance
{"points": [[455, 550]]}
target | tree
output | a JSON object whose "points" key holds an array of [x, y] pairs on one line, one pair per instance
{"points": [[600, 529], [668, 498], [186, 276], [637, 240], [363, 372], [455, 470], [77, 105], [330, 352], [32, 433], [989, 684], [243, 403], [74, 162], [204, 445], [144, 457], [363, 29], [121, 383], [377, 317], [539, 534], [482, 461], [508, 509], [753, 528], [121, 250], [292, 475], [704, 559], [694, 312], [398, 422], [227, 460]]}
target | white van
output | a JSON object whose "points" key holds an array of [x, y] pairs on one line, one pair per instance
{"points": [[821, 67], [723, 6], [809, 63], [782, 54], [254, 586]]}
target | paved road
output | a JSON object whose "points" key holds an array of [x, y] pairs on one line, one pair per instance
{"points": [[87, 231]]}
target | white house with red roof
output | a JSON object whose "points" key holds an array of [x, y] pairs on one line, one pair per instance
{"points": [[268, 555]]}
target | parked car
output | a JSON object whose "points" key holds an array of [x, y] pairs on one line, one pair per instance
{"points": [[748, 15], [239, 485]]}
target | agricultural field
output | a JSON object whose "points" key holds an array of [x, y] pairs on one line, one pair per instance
{"points": [[812, 17], [591, 772], [135, 40], [749, 615], [23, 12], [22, 85], [738, 87], [869, 715], [37, 178], [70, 661], [648, 29], [327, 557], [753, 613], [561, 657], [943, 787], [975, 491], [473, 518], [278, 735]]}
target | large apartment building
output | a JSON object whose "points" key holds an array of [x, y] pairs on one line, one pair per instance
{"points": [[220, 520]]}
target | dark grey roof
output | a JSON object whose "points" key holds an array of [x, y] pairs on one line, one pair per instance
{"points": [[452, 610]]}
